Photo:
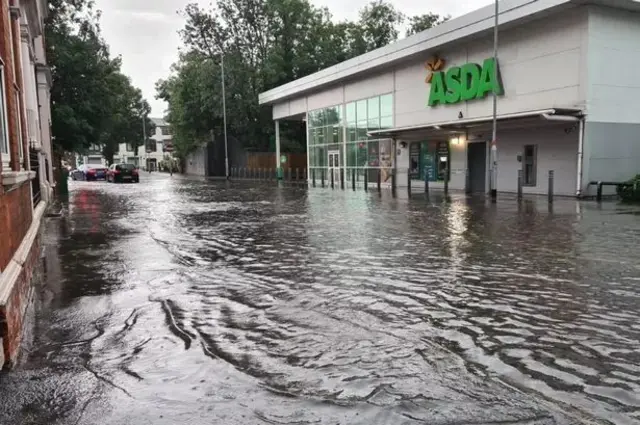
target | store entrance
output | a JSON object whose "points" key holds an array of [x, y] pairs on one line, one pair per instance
{"points": [[477, 160], [334, 165]]}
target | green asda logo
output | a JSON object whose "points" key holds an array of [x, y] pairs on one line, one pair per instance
{"points": [[464, 83]]}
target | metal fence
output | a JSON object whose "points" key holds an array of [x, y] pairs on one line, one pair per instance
{"points": [[34, 161]]}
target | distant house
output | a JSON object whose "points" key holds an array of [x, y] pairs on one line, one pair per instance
{"points": [[148, 157]]}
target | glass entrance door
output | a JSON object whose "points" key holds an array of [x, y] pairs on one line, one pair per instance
{"points": [[334, 165]]}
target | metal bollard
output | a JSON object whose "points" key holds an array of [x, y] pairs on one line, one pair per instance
{"points": [[520, 184], [426, 181], [298, 175], [342, 178], [332, 178], [409, 181], [393, 183], [313, 177], [550, 186], [353, 179], [599, 192], [289, 173], [366, 181], [322, 176], [446, 181], [379, 180]]}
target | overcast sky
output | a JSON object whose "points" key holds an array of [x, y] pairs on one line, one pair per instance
{"points": [[144, 32]]}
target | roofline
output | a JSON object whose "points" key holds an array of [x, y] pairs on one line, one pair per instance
{"points": [[471, 24], [464, 26]]}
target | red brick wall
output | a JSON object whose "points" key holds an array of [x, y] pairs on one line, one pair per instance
{"points": [[15, 218], [11, 81], [13, 314]]}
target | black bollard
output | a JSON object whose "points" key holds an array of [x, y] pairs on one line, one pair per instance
{"points": [[342, 178], [289, 172], [393, 183], [366, 180], [322, 176], [332, 178], [519, 184], [353, 179], [550, 186], [426, 181], [446, 181], [313, 177], [409, 182], [379, 180], [298, 175]]}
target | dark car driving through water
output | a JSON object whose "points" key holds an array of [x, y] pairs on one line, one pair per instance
{"points": [[121, 173]]}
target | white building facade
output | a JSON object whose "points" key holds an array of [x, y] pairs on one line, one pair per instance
{"points": [[36, 98], [421, 108], [157, 147]]}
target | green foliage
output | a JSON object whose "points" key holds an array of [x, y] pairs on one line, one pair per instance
{"points": [[424, 22], [264, 44], [92, 101], [630, 192]]}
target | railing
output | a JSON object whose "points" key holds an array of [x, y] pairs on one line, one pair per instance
{"points": [[34, 161]]}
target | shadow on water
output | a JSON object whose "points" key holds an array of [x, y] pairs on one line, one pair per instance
{"points": [[179, 301]]}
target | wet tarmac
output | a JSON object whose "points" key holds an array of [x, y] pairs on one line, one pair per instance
{"points": [[176, 301]]}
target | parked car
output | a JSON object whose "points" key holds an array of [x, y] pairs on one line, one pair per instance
{"points": [[95, 172], [77, 174], [120, 173]]}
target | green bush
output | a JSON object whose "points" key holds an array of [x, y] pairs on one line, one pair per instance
{"points": [[630, 192]]}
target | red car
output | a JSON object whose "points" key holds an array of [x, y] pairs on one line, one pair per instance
{"points": [[95, 173], [120, 173]]}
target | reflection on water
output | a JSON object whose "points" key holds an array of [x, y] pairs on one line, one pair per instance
{"points": [[198, 302]]}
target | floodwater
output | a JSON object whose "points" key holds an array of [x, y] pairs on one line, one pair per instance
{"points": [[177, 301]]}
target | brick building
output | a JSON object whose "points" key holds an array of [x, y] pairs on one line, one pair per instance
{"points": [[25, 165]]}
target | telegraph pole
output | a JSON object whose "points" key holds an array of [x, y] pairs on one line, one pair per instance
{"points": [[494, 140], [224, 119]]}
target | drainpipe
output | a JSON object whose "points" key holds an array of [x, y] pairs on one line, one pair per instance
{"points": [[580, 159]]}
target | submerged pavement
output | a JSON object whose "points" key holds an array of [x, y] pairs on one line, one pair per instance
{"points": [[176, 301]]}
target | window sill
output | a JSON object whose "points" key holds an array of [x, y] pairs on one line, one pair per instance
{"points": [[17, 178]]}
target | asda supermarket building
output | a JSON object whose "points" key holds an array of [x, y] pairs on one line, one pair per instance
{"points": [[568, 101]]}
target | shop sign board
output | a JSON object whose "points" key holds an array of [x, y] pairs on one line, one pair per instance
{"points": [[463, 83]]}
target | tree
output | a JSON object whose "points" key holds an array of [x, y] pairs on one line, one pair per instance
{"points": [[92, 101], [264, 43], [379, 21], [424, 22]]}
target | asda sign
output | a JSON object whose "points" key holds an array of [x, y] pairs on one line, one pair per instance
{"points": [[464, 83]]}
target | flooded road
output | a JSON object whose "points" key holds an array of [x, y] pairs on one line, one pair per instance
{"points": [[188, 302]]}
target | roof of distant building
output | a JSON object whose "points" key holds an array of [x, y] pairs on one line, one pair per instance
{"points": [[159, 122]]}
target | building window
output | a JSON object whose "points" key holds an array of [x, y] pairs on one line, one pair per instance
{"points": [[129, 147], [152, 146], [5, 147], [20, 140], [530, 165], [166, 131]]}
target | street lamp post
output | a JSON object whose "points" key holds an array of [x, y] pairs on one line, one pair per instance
{"points": [[224, 119], [144, 134], [494, 140]]}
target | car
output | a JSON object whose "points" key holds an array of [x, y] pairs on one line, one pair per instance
{"points": [[121, 173], [95, 172]]}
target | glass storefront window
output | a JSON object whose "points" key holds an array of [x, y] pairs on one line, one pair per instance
{"points": [[373, 108], [386, 105], [361, 113], [351, 112], [386, 122], [352, 151], [329, 127]]}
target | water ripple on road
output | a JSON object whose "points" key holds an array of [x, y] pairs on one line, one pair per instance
{"points": [[263, 305]]}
